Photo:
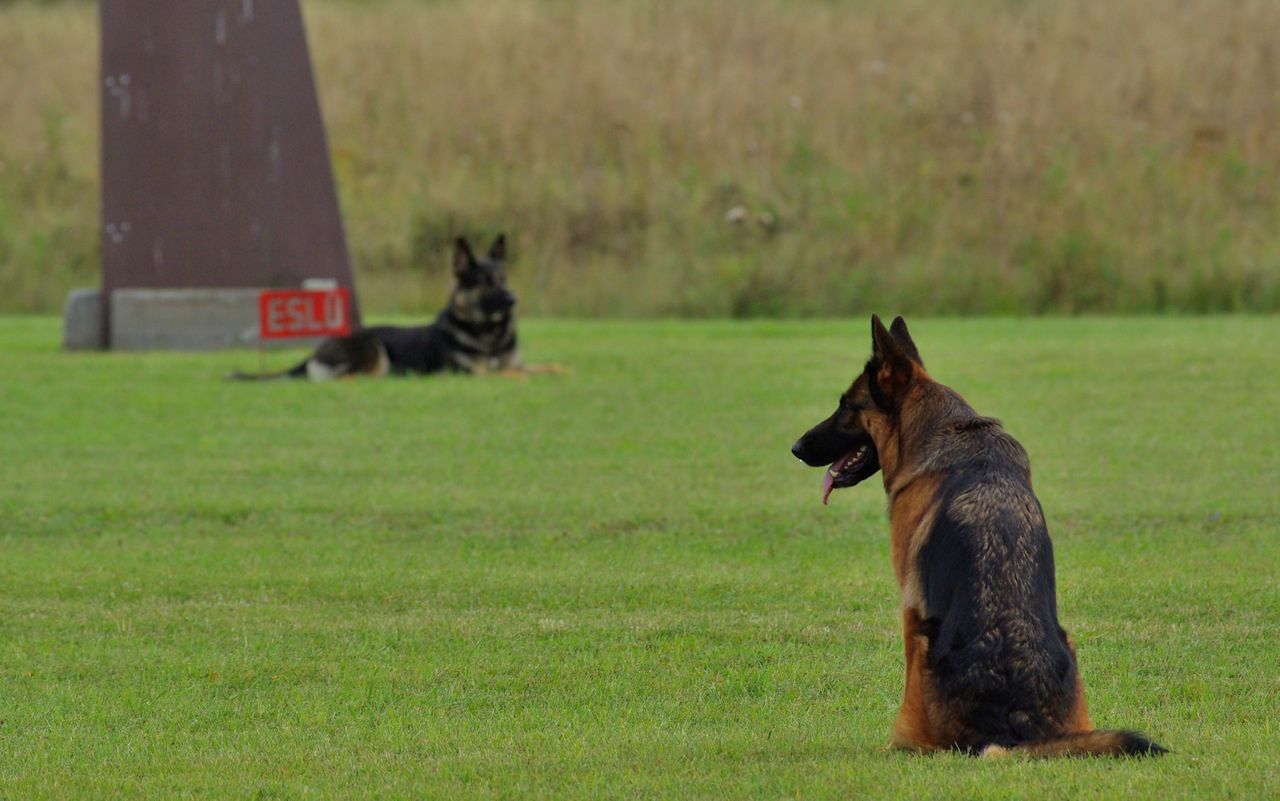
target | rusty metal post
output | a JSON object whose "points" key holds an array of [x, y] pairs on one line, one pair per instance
{"points": [[215, 166]]}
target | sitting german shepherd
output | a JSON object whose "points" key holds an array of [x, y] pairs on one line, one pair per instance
{"points": [[476, 332], [988, 667]]}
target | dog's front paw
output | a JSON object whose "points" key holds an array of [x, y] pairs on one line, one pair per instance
{"points": [[550, 368]]}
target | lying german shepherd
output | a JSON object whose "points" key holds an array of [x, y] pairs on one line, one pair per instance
{"points": [[989, 669], [476, 332]]}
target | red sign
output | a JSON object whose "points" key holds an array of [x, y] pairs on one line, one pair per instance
{"points": [[286, 313]]}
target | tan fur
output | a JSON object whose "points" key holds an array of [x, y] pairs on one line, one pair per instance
{"points": [[911, 518], [911, 731], [923, 722], [1079, 721], [1085, 743], [926, 439], [522, 371]]}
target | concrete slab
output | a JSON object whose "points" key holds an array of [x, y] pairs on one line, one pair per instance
{"points": [[189, 319], [82, 320]]}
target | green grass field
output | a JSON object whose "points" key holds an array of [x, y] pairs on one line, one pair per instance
{"points": [[615, 583]]}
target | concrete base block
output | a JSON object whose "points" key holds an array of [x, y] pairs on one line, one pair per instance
{"points": [[82, 320], [189, 319]]}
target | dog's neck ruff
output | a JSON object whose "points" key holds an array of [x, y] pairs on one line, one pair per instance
{"points": [[479, 339]]}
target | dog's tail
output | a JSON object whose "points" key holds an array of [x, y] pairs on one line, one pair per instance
{"points": [[299, 370], [1099, 742]]}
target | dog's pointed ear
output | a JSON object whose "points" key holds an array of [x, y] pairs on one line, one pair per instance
{"points": [[903, 336], [883, 345], [890, 369], [463, 258], [498, 250]]}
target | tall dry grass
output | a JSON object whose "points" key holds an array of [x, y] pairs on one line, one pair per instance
{"points": [[48, 154], [748, 156]]}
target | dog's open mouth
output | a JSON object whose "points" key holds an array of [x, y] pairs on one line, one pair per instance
{"points": [[849, 469]]}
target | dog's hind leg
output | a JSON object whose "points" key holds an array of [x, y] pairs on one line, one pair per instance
{"points": [[1078, 720], [343, 357]]}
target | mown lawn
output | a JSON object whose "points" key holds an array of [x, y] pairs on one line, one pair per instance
{"points": [[615, 583]]}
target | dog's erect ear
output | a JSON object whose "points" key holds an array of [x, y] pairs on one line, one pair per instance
{"points": [[903, 336], [463, 259], [891, 368], [883, 345], [498, 250]]}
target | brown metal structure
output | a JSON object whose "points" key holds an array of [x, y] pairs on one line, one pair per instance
{"points": [[215, 166]]}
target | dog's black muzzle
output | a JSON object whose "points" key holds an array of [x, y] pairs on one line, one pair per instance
{"points": [[824, 443], [498, 302], [851, 457]]}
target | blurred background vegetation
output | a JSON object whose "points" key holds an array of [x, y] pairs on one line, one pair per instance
{"points": [[742, 157]]}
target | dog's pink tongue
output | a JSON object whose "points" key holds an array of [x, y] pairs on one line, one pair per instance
{"points": [[829, 477]]}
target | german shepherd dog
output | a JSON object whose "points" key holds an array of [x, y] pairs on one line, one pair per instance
{"points": [[476, 332], [988, 668]]}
